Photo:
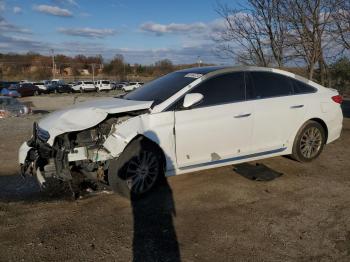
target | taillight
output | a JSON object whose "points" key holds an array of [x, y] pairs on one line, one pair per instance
{"points": [[338, 99]]}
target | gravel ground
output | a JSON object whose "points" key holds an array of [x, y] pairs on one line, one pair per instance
{"points": [[214, 215]]}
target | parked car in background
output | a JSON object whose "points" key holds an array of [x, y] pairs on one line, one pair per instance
{"points": [[41, 86], [58, 86], [10, 106], [186, 121], [6, 84], [84, 86], [103, 85], [71, 84], [25, 89], [132, 86], [9, 92], [120, 85]]}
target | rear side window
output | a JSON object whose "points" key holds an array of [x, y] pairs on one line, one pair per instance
{"points": [[266, 84], [302, 88], [222, 89]]}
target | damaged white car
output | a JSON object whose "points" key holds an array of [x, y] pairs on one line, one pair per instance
{"points": [[186, 121]]}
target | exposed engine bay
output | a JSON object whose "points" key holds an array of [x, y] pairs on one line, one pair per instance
{"points": [[75, 156]]}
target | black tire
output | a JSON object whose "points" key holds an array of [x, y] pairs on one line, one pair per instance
{"points": [[36, 93], [123, 175], [305, 150]]}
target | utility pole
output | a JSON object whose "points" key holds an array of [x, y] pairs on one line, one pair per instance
{"points": [[93, 72], [199, 61], [53, 64]]}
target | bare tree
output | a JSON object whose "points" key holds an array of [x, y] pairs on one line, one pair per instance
{"points": [[341, 18], [308, 21], [254, 34]]}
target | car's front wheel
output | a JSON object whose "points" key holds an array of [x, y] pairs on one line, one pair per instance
{"points": [[137, 170], [309, 142]]}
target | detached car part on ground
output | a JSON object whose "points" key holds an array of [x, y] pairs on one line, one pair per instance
{"points": [[186, 121]]}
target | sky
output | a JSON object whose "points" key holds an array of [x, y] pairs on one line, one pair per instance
{"points": [[142, 31]]}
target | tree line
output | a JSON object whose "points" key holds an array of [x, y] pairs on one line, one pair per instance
{"points": [[313, 34], [35, 66]]}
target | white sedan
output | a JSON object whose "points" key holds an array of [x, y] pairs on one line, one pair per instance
{"points": [[186, 121], [131, 86], [83, 86]]}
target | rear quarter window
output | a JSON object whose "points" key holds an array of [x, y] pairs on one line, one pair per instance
{"points": [[302, 88], [267, 84]]}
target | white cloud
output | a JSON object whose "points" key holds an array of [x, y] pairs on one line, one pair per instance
{"points": [[53, 10], [160, 29], [88, 32], [17, 10], [66, 2]]}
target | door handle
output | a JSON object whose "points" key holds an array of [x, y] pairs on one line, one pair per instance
{"points": [[242, 115], [297, 106]]}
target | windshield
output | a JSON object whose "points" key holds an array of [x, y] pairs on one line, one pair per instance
{"points": [[162, 88]]}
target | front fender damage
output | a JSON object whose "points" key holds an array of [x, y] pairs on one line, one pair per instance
{"points": [[85, 152]]}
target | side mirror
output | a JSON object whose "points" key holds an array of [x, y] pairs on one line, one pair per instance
{"points": [[192, 99]]}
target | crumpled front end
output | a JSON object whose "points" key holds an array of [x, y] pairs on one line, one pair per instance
{"points": [[69, 144], [73, 156]]}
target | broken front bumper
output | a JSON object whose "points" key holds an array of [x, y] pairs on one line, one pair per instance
{"points": [[38, 158]]}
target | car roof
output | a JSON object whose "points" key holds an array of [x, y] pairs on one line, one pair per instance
{"points": [[210, 71], [202, 70]]}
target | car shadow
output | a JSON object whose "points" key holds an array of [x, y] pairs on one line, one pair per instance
{"points": [[38, 111], [346, 108], [256, 172], [155, 236], [154, 232], [17, 188]]}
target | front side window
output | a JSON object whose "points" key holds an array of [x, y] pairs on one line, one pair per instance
{"points": [[222, 89], [266, 84]]}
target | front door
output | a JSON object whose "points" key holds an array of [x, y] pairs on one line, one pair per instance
{"points": [[217, 129]]}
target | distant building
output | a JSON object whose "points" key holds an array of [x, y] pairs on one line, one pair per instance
{"points": [[84, 72]]}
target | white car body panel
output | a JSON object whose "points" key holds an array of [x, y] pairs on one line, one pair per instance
{"points": [[201, 138], [208, 137], [87, 114]]}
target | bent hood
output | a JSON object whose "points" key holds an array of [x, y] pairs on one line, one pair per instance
{"points": [[87, 114]]}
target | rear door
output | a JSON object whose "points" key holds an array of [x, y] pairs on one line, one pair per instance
{"points": [[277, 111], [218, 128]]}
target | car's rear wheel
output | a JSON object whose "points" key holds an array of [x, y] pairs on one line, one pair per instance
{"points": [[137, 170], [309, 142]]}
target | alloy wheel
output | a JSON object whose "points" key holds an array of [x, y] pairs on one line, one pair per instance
{"points": [[142, 172], [311, 142]]}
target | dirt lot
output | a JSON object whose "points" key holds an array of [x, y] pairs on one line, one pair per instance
{"points": [[215, 215]]}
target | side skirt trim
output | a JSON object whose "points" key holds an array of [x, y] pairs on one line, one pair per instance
{"points": [[234, 158]]}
